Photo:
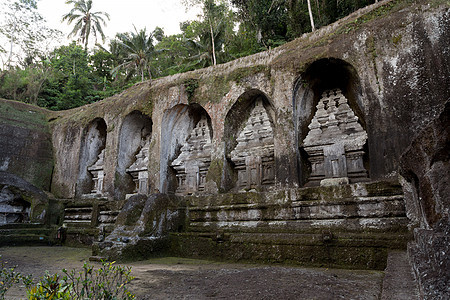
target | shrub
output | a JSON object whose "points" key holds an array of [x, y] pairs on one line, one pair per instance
{"points": [[8, 276], [109, 282]]}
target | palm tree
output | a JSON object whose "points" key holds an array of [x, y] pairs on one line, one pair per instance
{"points": [[85, 20], [138, 48]]}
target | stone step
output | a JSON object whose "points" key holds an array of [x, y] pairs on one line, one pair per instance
{"points": [[389, 224], [399, 280]]}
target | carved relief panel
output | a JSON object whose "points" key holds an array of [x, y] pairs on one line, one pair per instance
{"points": [[253, 155], [335, 142], [192, 164]]}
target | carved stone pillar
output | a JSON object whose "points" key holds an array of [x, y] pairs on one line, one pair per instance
{"points": [[335, 142]]}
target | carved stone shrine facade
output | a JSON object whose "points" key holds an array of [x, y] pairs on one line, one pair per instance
{"points": [[253, 155], [139, 170], [335, 142], [192, 164]]}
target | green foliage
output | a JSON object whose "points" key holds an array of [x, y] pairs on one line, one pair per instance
{"points": [[8, 276], [109, 282], [190, 85], [70, 83], [49, 287], [69, 76], [137, 50]]}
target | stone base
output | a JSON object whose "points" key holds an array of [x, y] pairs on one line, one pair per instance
{"points": [[334, 181]]}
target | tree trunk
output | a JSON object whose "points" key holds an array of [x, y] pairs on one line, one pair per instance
{"points": [[310, 15], [212, 42]]}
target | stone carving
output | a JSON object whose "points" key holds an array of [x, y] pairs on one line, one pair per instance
{"points": [[335, 142], [193, 162], [97, 173], [139, 170], [253, 156]]}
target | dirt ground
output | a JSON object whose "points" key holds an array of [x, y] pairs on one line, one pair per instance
{"points": [[180, 278]]}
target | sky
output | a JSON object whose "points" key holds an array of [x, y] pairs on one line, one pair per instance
{"points": [[166, 14]]}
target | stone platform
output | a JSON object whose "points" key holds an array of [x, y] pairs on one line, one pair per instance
{"points": [[350, 226]]}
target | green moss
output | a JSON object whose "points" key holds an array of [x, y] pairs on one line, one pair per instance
{"points": [[214, 88], [215, 171], [397, 39], [190, 85], [23, 115]]}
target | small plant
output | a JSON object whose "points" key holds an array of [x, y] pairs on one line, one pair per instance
{"points": [[108, 282], [8, 276], [50, 287]]}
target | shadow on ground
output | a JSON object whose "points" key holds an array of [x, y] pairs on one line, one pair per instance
{"points": [[179, 278]]}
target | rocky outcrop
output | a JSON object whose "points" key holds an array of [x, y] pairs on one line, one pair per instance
{"points": [[426, 167], [20, 201], [25, 143], [141, 228]]}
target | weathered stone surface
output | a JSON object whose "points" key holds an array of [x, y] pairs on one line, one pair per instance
{"points": [[25, 143], [141, 228], [20, 201], [426, 168], [395, 82]]}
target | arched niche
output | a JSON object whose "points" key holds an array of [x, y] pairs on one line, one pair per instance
{"points": [[90, 174], [249, 144], [133, 153], [181, 159], [323, 78]]}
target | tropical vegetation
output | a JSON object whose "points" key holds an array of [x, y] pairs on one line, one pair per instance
{"points": [[83, 71]]}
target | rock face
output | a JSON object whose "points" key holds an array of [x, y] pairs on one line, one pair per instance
{"points": [[142, 228], [254, 154], [25, 143], [20, 201], [426, 168], [335, 142], [193, 162]]}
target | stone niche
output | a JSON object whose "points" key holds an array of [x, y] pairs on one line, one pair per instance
{"points": [[132, 175], [139, 171], [253, 156], [92, 154], [181, 150], [192, 164], [335, 142]]}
